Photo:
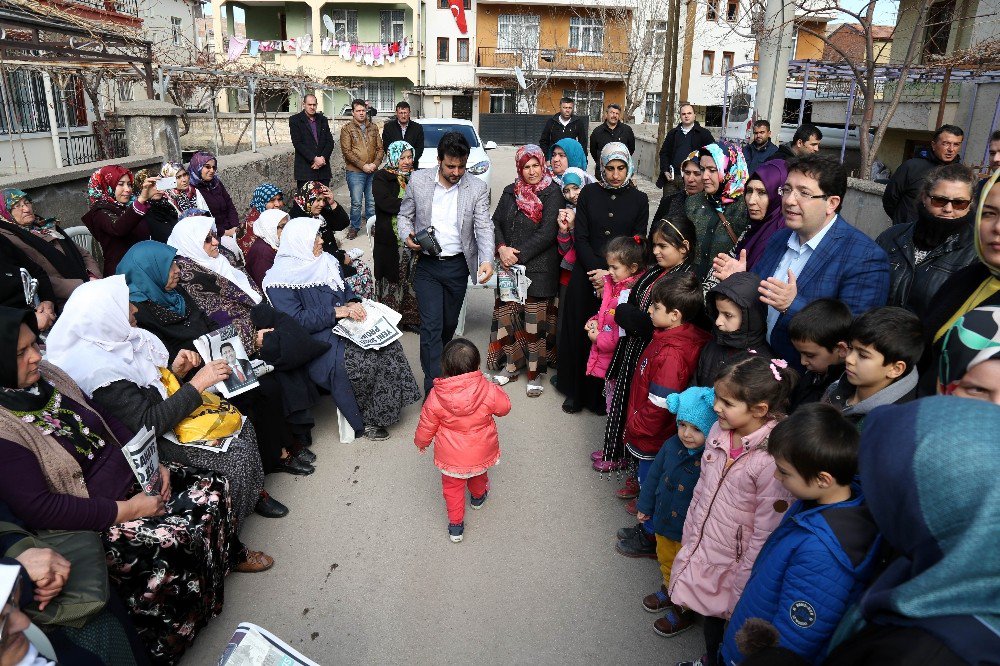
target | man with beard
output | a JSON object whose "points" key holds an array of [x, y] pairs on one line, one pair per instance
{"points": [[761, 148]]}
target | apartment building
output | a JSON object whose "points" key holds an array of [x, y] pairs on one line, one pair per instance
{"points": [[447, 86]]}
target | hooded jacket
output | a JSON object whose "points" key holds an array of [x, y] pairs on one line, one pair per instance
{"points": [[458, 416], [669, 486], [749, 340], [603, 348], [735, 508], [812, 568], [900, 391], [666, 366]]}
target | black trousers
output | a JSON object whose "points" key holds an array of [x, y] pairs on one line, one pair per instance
{"points": [[715, 631], [440, 285]]}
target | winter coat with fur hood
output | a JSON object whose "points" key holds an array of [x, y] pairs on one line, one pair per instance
{"points": [[748, 340]]}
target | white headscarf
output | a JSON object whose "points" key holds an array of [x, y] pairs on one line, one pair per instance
{"points": [[188, 238], [296, 266], [93, 342], [265, 227]]}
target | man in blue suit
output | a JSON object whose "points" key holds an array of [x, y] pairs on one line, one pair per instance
{"points": [[819, 255]]}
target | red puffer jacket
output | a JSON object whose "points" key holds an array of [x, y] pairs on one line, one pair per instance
{"points": [[666, 366], [458, 415]]}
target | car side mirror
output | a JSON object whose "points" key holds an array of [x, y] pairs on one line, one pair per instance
{"points": [[490, 145]]}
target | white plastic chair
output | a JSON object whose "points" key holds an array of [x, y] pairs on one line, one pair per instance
{"points": [[83, 239], [369, 228]]}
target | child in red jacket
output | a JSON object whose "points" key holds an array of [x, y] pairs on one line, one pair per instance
{"points": [[667, 366], [458, 416]]}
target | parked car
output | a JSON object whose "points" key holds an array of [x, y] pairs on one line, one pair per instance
{"points": [[479, 164]]}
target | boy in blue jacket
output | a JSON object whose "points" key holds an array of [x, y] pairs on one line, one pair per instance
{"points": [[667, 492], [821, 557]]}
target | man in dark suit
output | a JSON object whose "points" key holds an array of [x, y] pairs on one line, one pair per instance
{"points": [[313, 143], [562, 125], [612, 129], [404, 129], [678, 144], [242, 372]]}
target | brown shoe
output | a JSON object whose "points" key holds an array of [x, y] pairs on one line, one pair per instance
{"points": [[352, 233], [674, 622], [657, 602], [255, 562]]}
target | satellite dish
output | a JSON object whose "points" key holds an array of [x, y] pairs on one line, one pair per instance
{"points": [[520, 78], [328, 22]]}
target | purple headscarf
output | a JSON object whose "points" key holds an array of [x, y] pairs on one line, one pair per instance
{"points": [[198, 160], [772, 174]]}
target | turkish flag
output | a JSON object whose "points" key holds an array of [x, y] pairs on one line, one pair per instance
{"points": [[458, 11]]}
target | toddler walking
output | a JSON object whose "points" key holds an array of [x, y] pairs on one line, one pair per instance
{"points": [[458, 417]]}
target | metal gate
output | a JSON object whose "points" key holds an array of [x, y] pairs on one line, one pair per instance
{"points": [[515, 129]]}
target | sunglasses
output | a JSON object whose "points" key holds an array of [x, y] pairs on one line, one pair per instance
{"points": [[941, 202]]}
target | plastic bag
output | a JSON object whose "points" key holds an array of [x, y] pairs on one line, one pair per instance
{"points": [[214, 419]]}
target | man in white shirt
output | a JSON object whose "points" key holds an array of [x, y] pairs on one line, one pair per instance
{"points": [[454, 206]]}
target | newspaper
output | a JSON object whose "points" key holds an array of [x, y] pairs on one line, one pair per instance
{"points": [[379, 328], [214, 445], [143, 458], [254, 646], [225, 344], [513, 283]]}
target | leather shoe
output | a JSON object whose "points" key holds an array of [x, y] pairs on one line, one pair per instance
{"points": [[269, 507], [306, 456], [570, 407], [292, 465], [376, 434]]}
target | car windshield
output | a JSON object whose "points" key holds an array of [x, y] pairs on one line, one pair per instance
{"points": [[433, 133]]}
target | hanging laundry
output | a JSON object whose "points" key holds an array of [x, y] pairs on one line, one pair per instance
{"points": [[327, 45], [236, 47], [306, 45], [254, 48], [290, 45], [345, 51], [369, 56]]}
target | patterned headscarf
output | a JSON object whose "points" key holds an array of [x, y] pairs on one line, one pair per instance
{"points": [[199, 160], [973, 339], [525, 194], [103, 182], [393, 154], [729, 160], [262, 194], [11, 197], [692, 157], [987, 188], [307, 194], [181, 201], [617, 150]]}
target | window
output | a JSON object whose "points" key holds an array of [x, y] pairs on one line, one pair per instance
{"points": [[589, 104], [446, 4], [463, 49], [657, 31], [586, 35], [380, 94], [732, 10], [712, 10], [391, 25], [653, 107], [938, 29], [707, 62], [175, 30], [727, 61], [503, 101], [443, 49], [795, 43], [517, 32], [345, 25]]}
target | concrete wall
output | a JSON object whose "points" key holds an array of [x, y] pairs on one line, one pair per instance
{"points": [[272, 132]]}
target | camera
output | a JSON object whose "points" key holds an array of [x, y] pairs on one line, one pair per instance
{"points": [[427, 242]]}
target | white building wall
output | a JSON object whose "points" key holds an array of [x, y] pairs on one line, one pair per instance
{"points": [[157, 28], [449, 77], [718, 37]]}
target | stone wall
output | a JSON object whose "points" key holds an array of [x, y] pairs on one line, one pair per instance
{"points": [[272, 130]]}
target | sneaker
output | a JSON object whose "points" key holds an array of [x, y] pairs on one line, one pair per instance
{"points": [[478, 502], [609, 465], [640, 545], [697, 662], [455, 531], [631, 507], [596, 456], [673, 623], [376, 434], [629, 532], [352, 233], [658, 601], [630, 490]]}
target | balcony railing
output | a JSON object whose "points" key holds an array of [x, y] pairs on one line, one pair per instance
{"points": [[534, 62], [130, 7], [85, 148]]}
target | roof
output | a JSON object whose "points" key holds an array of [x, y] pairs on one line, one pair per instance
{"points": [[880, 33]]}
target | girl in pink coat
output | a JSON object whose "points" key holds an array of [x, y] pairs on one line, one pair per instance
{"points": [[737, 502], [626, 257], [458, 417]]}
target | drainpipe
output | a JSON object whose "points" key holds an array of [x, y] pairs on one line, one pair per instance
{"points": [[50, 107]]}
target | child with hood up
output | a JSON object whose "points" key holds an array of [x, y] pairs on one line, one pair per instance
{"points": [[740, 321]]}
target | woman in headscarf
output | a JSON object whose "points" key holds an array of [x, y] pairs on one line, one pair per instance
{"points": [[970, 356], [369, 387], [974, 286], [525, 224], [672, 206], [116, 219], [394, 261], [167, 311], [264, 248], [614, 207], [564, 154], [40, 240], [265, 197], [125, 370], [63, 469], [763, 208], [719, 212], [164, 211], [203, 170]]}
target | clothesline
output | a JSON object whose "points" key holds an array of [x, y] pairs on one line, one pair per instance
{"points": [[372, 55]]}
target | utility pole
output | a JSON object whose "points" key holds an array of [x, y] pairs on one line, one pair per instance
{"points": [[668, 75], [775, 53]]}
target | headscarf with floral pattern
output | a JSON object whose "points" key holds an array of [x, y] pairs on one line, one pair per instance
{"points": [[309, 192], [526, 194], [103, 182], [728, 160]]}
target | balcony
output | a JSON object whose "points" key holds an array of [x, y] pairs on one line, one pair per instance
{"points": [[541, 63], [100, 9]]}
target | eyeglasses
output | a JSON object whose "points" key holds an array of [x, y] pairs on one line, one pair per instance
{"points": [[786, 191], [941, 202]]}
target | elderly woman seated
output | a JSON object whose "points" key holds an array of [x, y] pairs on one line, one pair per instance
{"points": [[369, 387], [63, 469]]}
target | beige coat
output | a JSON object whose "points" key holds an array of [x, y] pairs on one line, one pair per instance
{"points": [[361, 147]]}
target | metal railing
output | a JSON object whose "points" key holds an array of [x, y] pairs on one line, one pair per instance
{"points": [[545, 60], [85, 148], [130, 7]]}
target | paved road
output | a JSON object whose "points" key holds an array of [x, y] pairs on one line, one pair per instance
{"points": [[365, 572]]}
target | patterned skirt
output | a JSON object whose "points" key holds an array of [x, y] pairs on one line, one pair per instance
{"points": [[170, 570], [362, 282], [519, 336], [383, 382], [400, 295]]}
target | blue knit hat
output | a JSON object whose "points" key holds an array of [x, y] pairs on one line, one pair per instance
{"points": [[694, 406]]}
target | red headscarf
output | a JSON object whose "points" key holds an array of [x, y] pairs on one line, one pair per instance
{"points": [[103, 182], [525, 194]]}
